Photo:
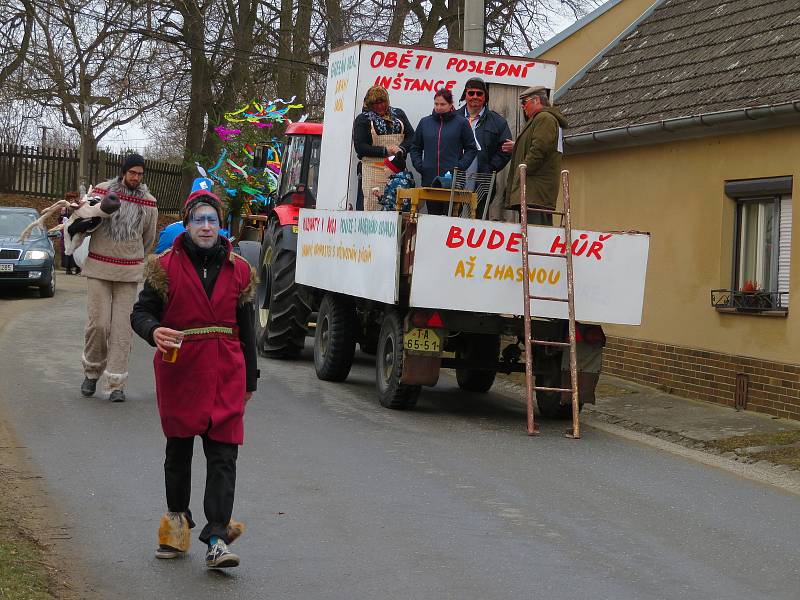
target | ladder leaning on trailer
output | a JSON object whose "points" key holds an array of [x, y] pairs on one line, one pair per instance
{"points": [[530, 378]]}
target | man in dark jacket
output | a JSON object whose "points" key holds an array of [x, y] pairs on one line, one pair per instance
{"points": [[491, 131], [196, 308], [539, 145]]}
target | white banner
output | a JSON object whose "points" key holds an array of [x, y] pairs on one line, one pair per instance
{"points": [[463, 264], [355, 253]]}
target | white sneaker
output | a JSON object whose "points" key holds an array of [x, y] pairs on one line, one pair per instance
{"points": [[219, 557]]}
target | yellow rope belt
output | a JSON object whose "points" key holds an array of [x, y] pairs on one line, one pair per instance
{"points": [[207, 330]]}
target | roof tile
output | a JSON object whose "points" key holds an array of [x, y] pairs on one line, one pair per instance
{"points": [[691, 57]]}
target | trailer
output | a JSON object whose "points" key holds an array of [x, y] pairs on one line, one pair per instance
{"points": [[424, 292]]}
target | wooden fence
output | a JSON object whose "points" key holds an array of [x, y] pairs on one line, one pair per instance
{"points": [[54, 171]]}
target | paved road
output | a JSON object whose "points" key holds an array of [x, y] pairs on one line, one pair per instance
{"points": [[344, 499]]}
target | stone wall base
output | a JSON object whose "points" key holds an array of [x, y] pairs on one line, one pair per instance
{"points": [[771, 387]]}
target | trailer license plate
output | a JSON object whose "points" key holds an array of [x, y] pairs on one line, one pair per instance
{"points": [[422, 340], [6, 267]]}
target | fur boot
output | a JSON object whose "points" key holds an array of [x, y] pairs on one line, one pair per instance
{"points": [[173, 531], [115, 381], [235, 529]]}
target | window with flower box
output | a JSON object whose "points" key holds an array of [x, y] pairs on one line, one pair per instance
{"points": [[762, 246]]}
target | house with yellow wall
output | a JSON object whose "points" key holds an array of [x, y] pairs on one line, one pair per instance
{"points": [[686, 124]]}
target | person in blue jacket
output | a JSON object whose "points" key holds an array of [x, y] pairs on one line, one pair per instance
{"points": [[443, 141]]}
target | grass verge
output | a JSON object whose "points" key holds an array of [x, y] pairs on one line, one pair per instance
{"points": [[782, 447], [23, 573]]}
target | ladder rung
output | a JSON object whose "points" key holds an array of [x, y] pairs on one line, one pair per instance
{"points": [[549, 389], [548, 343], [544, 210], [552, 255], [547, 298]]}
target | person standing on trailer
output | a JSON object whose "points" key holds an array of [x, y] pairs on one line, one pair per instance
{"points": [[491, 131], [539, 145], [443, 142], [380, 131]]}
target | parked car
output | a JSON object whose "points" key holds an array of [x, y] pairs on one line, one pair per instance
{"points": [[29, 264]]}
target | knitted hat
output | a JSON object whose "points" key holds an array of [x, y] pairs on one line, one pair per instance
{"points": [[475, 83], [132, 160], [201, 197]]}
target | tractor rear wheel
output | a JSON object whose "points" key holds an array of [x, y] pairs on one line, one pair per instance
{"points": [[282, 306]]}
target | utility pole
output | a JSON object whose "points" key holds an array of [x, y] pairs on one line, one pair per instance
{"points": [[474, 25], [85, 102], [44, 129]]}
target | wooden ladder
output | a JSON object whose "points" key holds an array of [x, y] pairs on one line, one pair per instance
{"points": [[530, 342]]}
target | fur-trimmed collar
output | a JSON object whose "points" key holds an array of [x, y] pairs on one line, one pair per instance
{"points": [[156, 276]]}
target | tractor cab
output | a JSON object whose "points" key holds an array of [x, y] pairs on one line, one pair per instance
{"points": [[300, 168]]}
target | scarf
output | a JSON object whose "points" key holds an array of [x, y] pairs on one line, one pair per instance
{"points": [[384, 125]]}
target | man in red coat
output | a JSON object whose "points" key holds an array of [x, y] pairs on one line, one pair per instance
{"points": [[197, 300]]}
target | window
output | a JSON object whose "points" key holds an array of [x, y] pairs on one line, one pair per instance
{"points": [[756, 237], [762, 245]]}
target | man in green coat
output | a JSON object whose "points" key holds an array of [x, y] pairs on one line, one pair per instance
{"points": [[539, 145]]}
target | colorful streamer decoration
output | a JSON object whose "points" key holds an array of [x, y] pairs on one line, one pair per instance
{"points": [[240, 133]]}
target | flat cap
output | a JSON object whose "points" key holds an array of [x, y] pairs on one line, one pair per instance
{"points": [[534, 89]]}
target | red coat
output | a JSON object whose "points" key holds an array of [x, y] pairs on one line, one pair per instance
{"points": [[203, 390]]}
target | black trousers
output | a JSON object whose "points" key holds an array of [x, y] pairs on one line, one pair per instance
{"points": [[220, 482], [437, 208], [537, 218]]}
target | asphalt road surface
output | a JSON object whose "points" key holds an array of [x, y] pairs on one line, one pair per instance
{"points": [[345, 499]]}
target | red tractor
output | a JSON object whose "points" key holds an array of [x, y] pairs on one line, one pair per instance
{"points": [[282, 306]]}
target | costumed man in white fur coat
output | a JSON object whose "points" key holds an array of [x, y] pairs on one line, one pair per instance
{"points": [[117, 250]]}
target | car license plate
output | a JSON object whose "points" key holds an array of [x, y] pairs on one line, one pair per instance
{"points": [[423, 341], [6, 267]]}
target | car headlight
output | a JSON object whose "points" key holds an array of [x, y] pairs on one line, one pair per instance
{"points": [[35, 255]]}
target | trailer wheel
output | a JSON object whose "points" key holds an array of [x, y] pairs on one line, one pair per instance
{"points": [[282, 306], [335, 338], [550, 406], [483, 348], [389, 366], [548, 374]]}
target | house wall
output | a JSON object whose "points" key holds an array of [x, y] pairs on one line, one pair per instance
{"points": [[579, 48], [676, 192]]}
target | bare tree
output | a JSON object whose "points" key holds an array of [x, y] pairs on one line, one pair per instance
{"points": [[86, 62], [16, 30]]}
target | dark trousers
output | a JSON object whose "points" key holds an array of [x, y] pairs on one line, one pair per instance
{"points": [[438, 208], [537, 218], [220, 482]]}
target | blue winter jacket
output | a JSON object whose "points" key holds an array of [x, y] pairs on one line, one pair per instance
{"points": [[442, 142]]}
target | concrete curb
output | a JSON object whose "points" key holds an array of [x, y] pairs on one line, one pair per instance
{"points": [[662, 438], [763, 472]]}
